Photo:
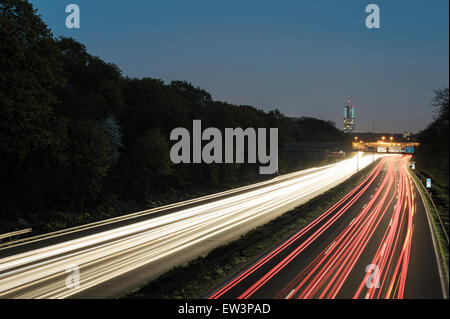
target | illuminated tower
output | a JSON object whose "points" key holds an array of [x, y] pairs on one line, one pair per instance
{"points": [[349, 117]]}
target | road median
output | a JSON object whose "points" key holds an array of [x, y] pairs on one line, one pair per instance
{"points": [[202, 275]]}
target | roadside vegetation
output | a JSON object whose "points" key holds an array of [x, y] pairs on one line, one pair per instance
{"points": [[80, 142], [435, 216], [200, 276], [432, 161]]}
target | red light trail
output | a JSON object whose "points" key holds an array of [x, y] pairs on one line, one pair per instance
{"points": [[385, 221]]}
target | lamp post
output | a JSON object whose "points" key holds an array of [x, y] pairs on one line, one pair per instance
{"points": [[357, 161]]}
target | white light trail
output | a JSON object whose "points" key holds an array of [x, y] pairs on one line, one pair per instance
{"points": [[41, 273]]}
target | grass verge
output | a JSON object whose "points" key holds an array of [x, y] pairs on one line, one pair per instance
{"points": [[437, 228], [111, 205], [203, 274]]}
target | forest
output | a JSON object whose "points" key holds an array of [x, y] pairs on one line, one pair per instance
{"points": [[77, 137], [432, 157]]}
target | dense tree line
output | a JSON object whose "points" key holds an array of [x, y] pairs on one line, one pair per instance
{"points": [[432, 157], [74, 129]]}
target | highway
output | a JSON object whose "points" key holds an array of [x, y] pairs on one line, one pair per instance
{"points": [[117, 255], [375, 243]]}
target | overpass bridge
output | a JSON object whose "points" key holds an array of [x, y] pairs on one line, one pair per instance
{"points": [[382, 146], [338, 149]]}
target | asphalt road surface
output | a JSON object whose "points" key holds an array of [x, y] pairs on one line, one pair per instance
{"points": [[112, 257], [374, 243]]}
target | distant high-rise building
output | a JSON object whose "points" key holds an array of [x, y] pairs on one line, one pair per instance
{"points": [[349, 117]]}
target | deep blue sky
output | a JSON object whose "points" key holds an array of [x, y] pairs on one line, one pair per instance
{"points": [[304, 57]]}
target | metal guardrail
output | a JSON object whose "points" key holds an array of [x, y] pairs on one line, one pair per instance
{"points": [[313, 146], [434, 206], [15, 233], [140, 213], [434, 233], [436, 210]]}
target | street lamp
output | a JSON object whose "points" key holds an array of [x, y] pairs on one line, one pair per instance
{"points": [[357, 161]]}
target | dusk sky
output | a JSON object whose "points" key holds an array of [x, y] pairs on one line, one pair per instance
{"points": [[305, 58]]}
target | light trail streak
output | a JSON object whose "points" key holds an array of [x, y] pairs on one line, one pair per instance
{"points": [[389, 212], [328, 273], [304, 245], [41, 273], [298, 235]]}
